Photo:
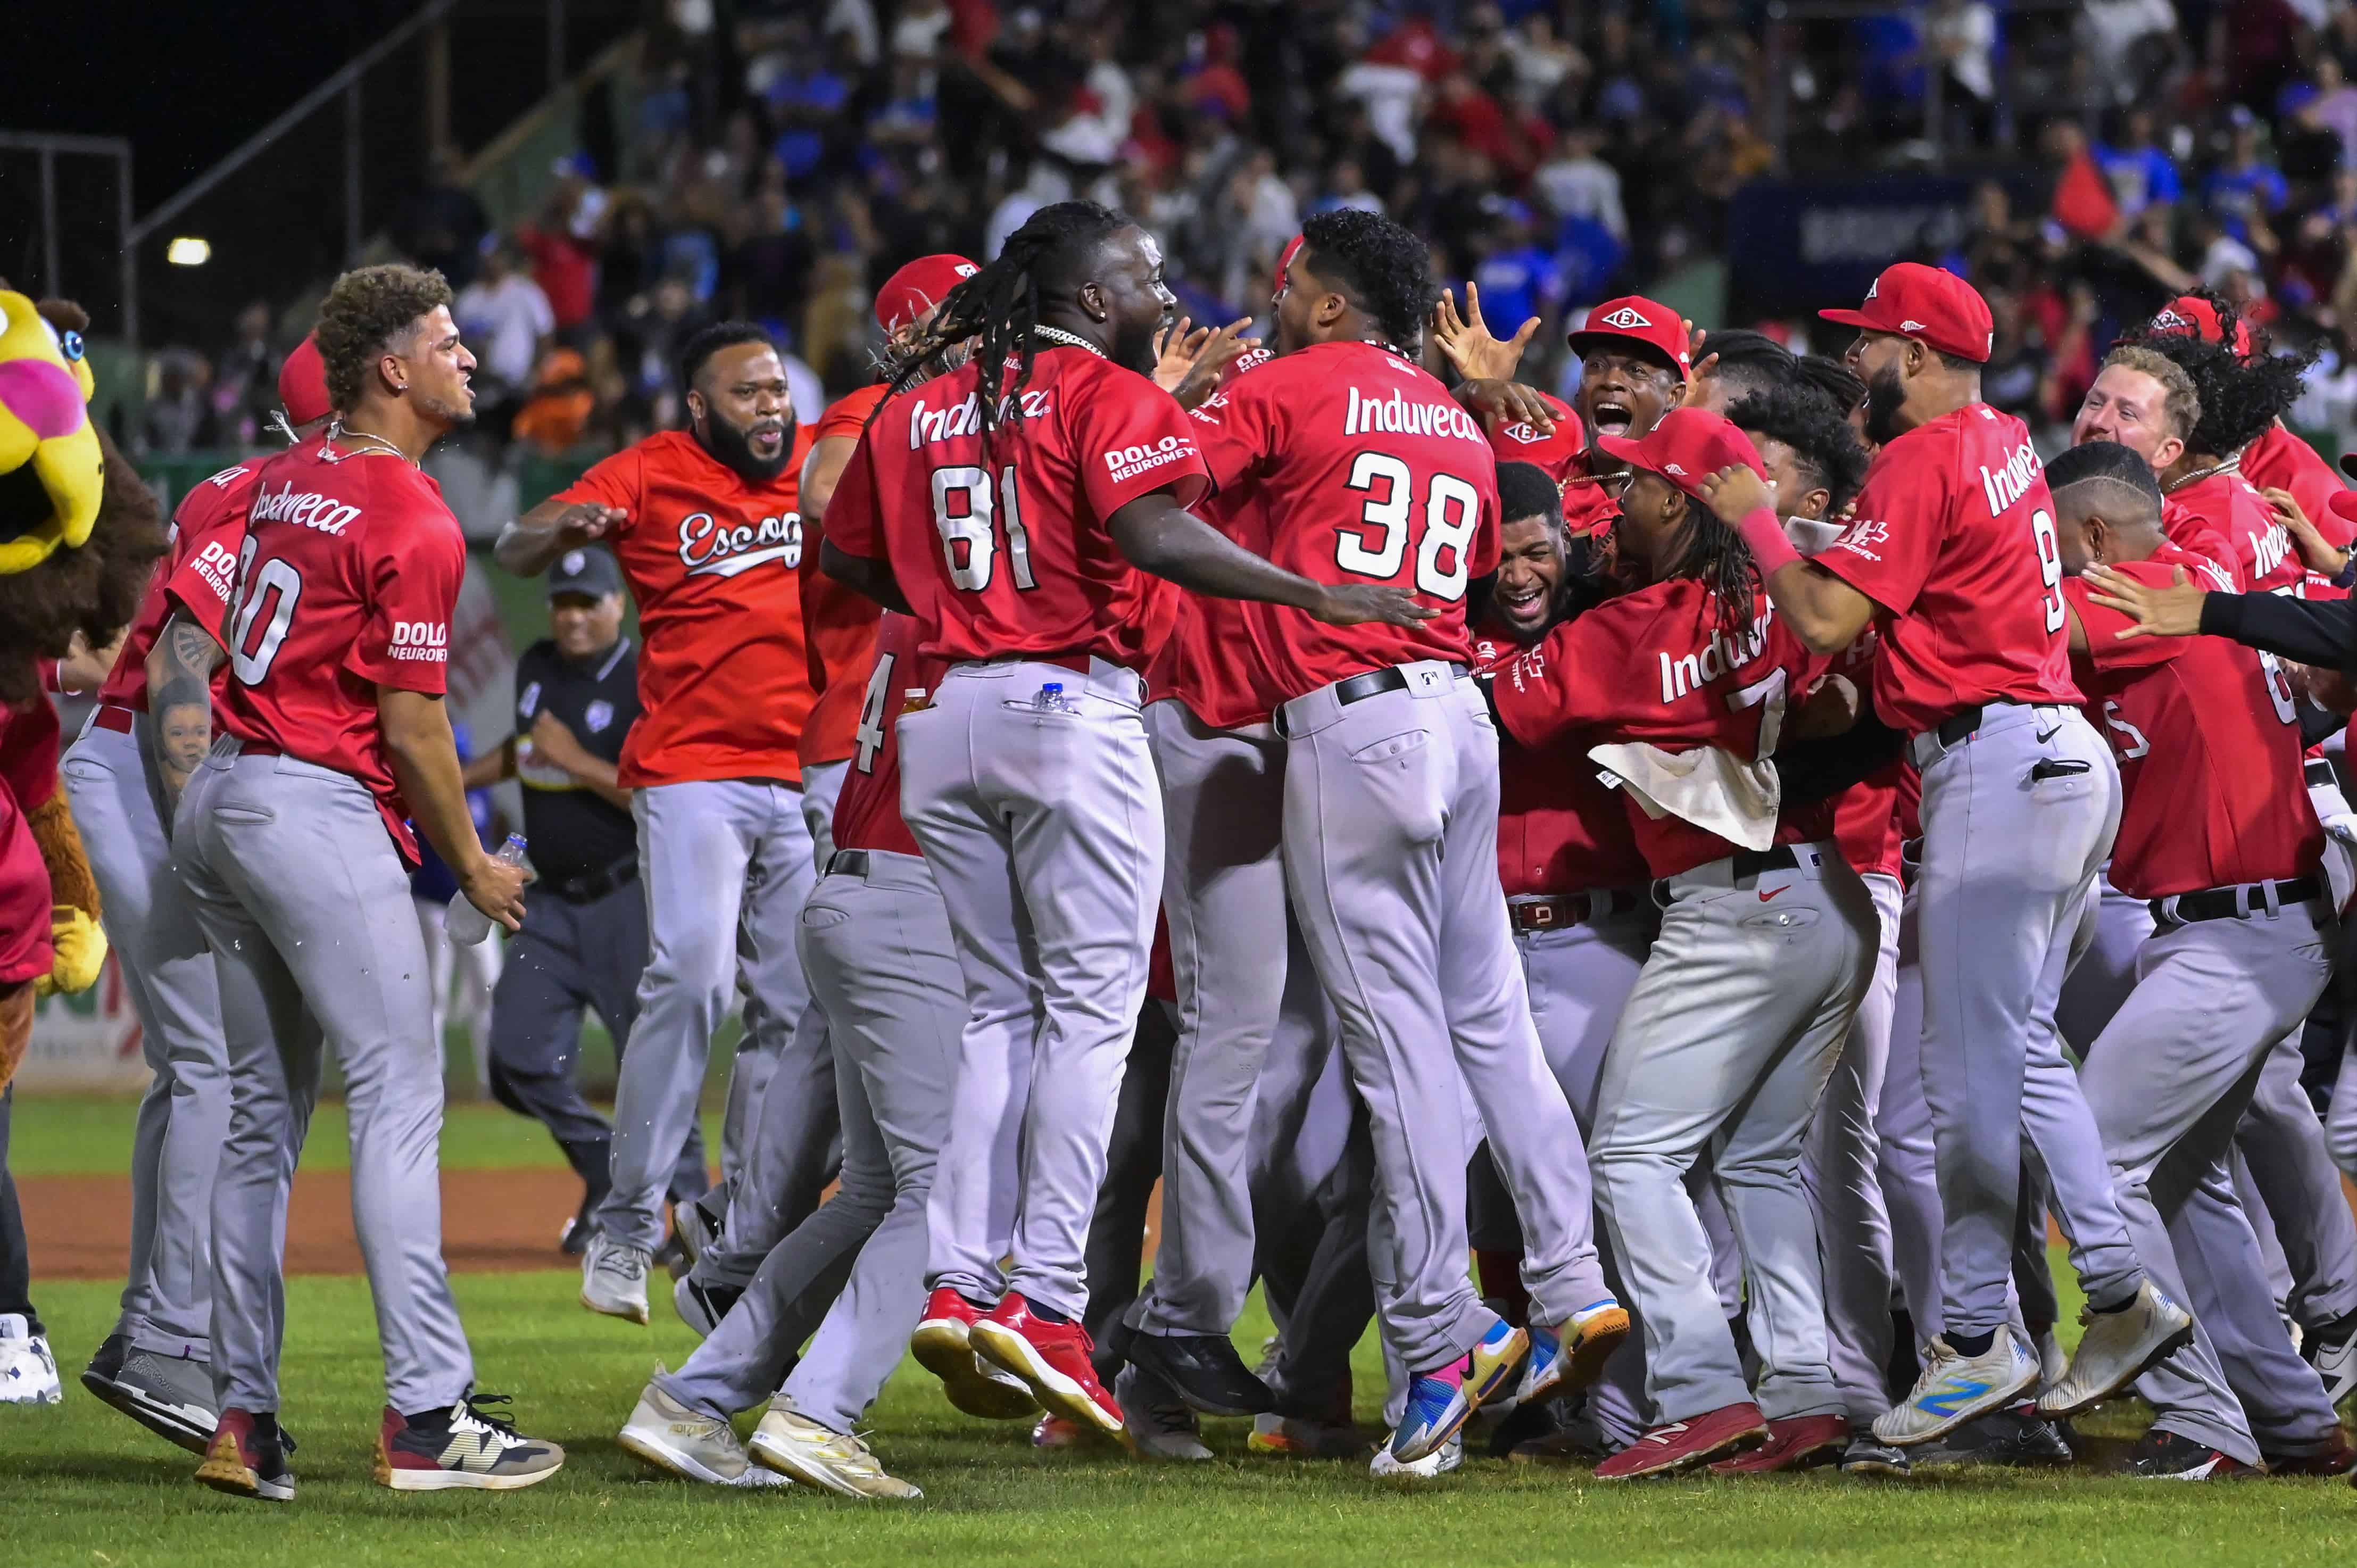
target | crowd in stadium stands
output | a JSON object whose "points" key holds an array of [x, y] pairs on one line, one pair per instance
{"points": [[784, 155]]}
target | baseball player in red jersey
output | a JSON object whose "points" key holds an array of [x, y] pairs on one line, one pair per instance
{"points": [[877, 946], [333, 735], [1027, 506], [156, 1366], [1767, 943], [1367, 470], [2205, 487], [1953, 556], [2215, 832], [706, 524]]}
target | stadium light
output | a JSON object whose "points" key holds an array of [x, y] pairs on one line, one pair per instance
{"points": [[187, 250]]}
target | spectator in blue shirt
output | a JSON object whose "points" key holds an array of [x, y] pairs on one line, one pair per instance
{"points": [[1518, 278], [2247, 189], [2141, 173]]}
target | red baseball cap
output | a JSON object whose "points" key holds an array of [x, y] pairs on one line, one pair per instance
{"points": [[1635, 318], [302, 383], [1937, 308], [1688, 446], [1285, 262], [918, 287], [2190, 313]]}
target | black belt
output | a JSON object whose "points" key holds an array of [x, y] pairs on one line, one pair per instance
{"points": [[592, 885], [1359, 688], [847, 863], [1748, 863], [1552, 911], [1959, 726], [2235, 903], [2320, 774]]}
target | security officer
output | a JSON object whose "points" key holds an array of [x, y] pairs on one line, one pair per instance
{"points": [[584, 940]]}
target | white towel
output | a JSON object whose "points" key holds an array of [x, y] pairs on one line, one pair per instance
{"points": [[1707, 787]]}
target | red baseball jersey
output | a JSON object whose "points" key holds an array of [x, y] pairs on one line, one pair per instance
{"points": [[1657, 666], [724, 675], [1955, 541], [839, 622], [1866, 815], [351, 567], [2225, 519], [1368, 470], [1009, 552], [2208, 739], [2280, 460], [28, 776], [1559, 828], [198, 576], [1563, 453], [867, 812]]}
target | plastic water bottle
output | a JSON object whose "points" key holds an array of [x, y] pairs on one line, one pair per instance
{"points": [[465, 924], [1051, 698]]}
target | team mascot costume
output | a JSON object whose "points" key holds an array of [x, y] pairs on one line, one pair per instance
{"points": [[78, 536]]}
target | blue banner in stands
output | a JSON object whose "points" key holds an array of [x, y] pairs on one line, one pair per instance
{"points": [[1797, 245]]}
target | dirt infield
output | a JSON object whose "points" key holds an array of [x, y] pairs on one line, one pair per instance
{"points": [[492, 1221]]}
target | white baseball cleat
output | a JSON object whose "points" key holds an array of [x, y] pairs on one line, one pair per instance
{"points": [[28, 1373], [690, 1444], [2116, 1349], [2336, 1363], [614, 1278], [1955, 1387], [1439, 1462], [791, 1442]]}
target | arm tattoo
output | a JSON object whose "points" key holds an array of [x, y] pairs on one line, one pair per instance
{"points": [[180, 679]]}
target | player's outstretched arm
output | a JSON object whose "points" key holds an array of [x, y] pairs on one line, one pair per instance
{"points": [[1472, 350], [863, 575], [1159, 535], [180, 675], [1825, 613], [424, 757], [2311, 631], [531, 542]]}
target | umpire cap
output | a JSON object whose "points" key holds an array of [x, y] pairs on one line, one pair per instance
{"points": [[586, 571]]}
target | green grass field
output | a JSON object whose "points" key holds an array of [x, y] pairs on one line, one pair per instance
{"points": [[81, 1485]]}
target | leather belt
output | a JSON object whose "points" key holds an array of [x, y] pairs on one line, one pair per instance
{"points": [[1960, 726], [1359, 688], [2319, 774], [592, 885], [113, 716], [2236, 903], [847, 863], [1552, 911]]}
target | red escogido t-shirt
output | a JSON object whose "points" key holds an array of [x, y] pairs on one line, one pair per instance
{"points": [[1954, 539], [1008, 552], [1368, 470], [1559, 828], [839, 622], [1658, 666], [2208, 740], [351, 567], [198, 574], [711, 558]]}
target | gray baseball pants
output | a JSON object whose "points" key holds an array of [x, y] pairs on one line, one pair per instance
{"points": [[878, 953], [2167, 1083], [822, 788], [1391, 856], [1043, 827], [305, 904], [1725, 1046], [2282, 1146], [795, 1151], [1841, 1166], [2112, 929], [725, 866], [2009, 858], [184, 1114]]}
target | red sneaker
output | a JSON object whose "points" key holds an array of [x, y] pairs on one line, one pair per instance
{"points": [[1052, 1359], [1683, 1444], [1793, 1442], [247, 1457], [942, 1345]]}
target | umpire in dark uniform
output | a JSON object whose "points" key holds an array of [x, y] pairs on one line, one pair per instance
{"points": [[583, 940]]}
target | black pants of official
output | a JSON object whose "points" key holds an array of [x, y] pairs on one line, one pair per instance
{"points": [[569, 956]]}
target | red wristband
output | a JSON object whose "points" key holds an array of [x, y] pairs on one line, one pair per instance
{"points": [[1764, 533]]}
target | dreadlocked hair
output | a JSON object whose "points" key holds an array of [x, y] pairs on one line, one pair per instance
{"points": [[2240, 398], [999, 305], [1820, 438], [1717, 557]]}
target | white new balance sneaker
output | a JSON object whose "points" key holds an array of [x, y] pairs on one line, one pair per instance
{"points": [[1955, 1388], [2116, 1349]]}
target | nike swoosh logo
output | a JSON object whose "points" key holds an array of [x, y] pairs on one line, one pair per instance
{"points": [[1768, 893], [2046, 735]]}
